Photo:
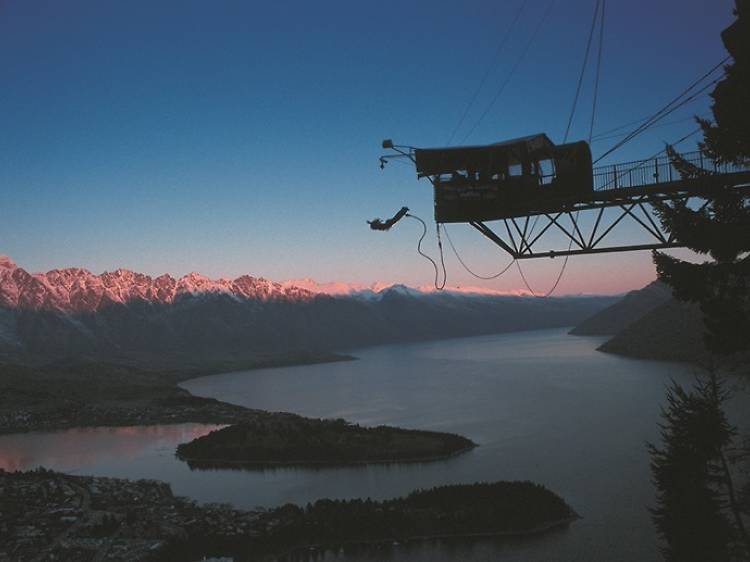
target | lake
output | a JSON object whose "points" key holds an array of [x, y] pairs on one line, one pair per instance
{"points": [[542, 405]]}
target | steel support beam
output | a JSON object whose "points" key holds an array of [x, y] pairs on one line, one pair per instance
{"points": [[522, 243]]}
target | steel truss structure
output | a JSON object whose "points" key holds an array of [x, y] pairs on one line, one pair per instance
{"points": [[630, 189], [520, 241]]}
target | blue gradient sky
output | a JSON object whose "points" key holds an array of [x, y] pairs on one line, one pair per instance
{"points": [[243, 137]]}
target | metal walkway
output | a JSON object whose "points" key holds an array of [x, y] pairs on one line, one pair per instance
{"points": [[626, 188]]}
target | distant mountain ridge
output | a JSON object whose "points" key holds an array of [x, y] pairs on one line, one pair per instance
{"points": [[632, 307], [73, 312], [78, 290]]}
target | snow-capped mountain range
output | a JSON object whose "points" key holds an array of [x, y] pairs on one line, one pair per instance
{"points": [[126, 315], [77, 290], [337, 288]]}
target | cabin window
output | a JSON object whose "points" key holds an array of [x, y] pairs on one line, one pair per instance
{"points": [[546, 171], [515, 170]]}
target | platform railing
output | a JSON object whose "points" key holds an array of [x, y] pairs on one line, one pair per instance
{"points": [[655, 171]]}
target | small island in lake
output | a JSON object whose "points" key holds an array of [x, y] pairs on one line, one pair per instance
{"points": [[292, 439]]}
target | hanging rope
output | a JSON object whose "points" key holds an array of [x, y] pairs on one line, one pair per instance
{"points": [[442, 257], [562, 270], [643, 125], [438, 286], [466, 267]]}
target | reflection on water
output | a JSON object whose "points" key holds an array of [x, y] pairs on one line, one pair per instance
{"points": [[80, 448], [487, 549], [543, 406]]}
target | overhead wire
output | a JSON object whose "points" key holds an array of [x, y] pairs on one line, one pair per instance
{"points": [[512, 72], [596, 138], [648, 123], [669, 107], [597, 74], [579, 84], [643, 125], [648, 160], [487, 73], [562, 270], [583, 72], [607, 132]]}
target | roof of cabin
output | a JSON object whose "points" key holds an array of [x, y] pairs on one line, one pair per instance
{"points": [[442, 160]]}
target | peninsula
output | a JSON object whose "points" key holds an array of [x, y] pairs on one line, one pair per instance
{"points": [[90, 394], [51, 515]]}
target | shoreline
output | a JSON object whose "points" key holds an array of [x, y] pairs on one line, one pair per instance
{"points": [[239, 465], [140, 519], [127, 397], [152, 397], [30, 422], [399, 541]]}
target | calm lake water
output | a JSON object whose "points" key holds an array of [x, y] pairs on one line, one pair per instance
{"points": [[543, 406]]}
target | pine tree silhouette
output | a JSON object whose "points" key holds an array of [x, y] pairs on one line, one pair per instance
{"points": [[699, 516], [722, 228]]}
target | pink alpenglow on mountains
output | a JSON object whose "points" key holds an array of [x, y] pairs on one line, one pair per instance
{"points": [[340, 288], [78, 290]]}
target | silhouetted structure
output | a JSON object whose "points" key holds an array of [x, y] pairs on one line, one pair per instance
{"points": [[505, 179], [532, 178], [700, 513], [721, 228]]}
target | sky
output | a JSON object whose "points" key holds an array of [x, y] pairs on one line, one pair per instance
{"points": [[232, 137]]}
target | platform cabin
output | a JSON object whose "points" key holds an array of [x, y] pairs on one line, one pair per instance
{"points": [[512, 178]]}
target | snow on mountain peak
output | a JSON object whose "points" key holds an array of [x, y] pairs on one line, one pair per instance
{"points": [[7, 263], [77, 290]]}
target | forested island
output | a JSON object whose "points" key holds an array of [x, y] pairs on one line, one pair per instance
{"points": [[53, 515], [292, 439]]}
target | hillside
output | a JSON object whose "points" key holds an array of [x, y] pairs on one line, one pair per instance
{"points": [[632, 307], [673, 331], [649, 324]]}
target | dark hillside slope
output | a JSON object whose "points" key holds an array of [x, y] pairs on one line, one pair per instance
{"points": [[672, 331], [632, 307], [215, 325]]}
